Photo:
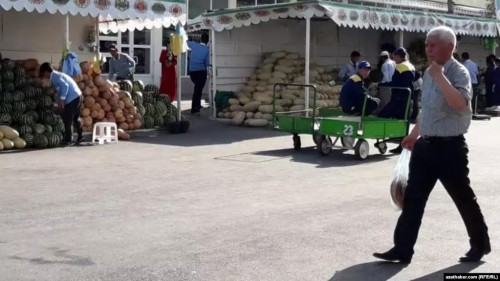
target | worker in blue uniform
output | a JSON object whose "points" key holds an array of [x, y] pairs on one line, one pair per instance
{"points": [[403, 77], [353, 93]]}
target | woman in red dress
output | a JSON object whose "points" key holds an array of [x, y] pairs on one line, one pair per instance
{"points": [[168, 85]]}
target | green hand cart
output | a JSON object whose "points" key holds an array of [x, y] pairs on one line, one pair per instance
{"points": [[348, 129], [299, 121]]}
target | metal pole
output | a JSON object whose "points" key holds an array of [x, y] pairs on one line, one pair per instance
{"points": [[307, 57], [213, 91], [179, 86], [66, 39], [401, 38]]}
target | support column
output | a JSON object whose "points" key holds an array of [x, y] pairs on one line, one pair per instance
{"points": [[401, 38], [308, 60]]}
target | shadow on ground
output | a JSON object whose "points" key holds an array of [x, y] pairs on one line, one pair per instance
{"points": [[310, 155], [382, 271], [62, 257], [203, 132]]}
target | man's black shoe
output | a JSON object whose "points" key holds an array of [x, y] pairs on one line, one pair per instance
{"points": [[475, 254], [391, 255], [79, 139]]}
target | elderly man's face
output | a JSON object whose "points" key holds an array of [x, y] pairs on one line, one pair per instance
{"points": [[114, 53], [438, 50]]}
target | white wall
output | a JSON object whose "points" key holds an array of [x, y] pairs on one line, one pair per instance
{"points": [[32, 35], [239, 51]]}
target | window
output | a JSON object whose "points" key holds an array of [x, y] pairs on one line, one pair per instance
{"points": [[136, 44]]}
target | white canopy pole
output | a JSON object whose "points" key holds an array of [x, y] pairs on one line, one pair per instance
{"points": [[66, 36], [307, 57], [401, 38], [213, 91], [179, 86]]}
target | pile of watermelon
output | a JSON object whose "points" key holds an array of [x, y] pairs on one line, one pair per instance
{"points": [[26, 107], [156, 109]]}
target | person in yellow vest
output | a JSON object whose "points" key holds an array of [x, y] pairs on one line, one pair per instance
{"points": [[353, 93]]}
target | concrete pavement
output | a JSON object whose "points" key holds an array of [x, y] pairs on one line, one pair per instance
{"points": [[225, 203]]}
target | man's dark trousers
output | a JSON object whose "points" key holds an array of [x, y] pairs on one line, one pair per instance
{"points": [[443, 159], [71, 116], [199, 78]]}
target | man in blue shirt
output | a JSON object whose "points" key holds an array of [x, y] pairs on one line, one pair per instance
{"points": [[349, 69], [121, 65], [69, 100], [198, 64], [353, 93]]}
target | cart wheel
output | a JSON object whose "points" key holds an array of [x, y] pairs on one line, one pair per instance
{"points": [[382, 147], [296, 142], [325, 145], [362, 149], [347, 142], [316, 139]]}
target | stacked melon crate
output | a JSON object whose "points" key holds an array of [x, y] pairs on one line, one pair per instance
{"points": [[253, 105]]}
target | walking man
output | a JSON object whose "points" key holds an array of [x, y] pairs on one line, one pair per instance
{"points": [[198, 65], [69, 101], [474, 73], [440, 153]]}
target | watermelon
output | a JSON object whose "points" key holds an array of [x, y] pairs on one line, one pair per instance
{"points": [[125, 85], [31, 104], [150, 109], [149, 122], [164, 98], [40, 141], [49, 118], [8, 64], [30, 92], [6, 108], [39, 93], [45, 102], [7, 76], [27, 119], [137, 98], [8, 87], [138, 86], [171, 110], [29, 139], [19, 96], [20, 82], [141, 109], [158, 121], [5, 119], [25, 130], [34, 114], [7, 97], [169, 120], [48, 128], [19, 106], [19, 72], [58, 127], [148, 97], [152, 89], [52, 140], [160, 109], [16, 117], [38, 129]]}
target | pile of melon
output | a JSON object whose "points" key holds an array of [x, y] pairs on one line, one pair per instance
{"points": [[105, 102], [253, 105], [9, 139], [25, 104]]}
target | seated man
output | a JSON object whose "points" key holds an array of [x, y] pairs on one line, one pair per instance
{"points": [[353, 94]]}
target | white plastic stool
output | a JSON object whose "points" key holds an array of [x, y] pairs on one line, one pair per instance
{"points": [[105, 132]]}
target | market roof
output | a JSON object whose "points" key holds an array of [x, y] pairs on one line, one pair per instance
{"points": [[346, 15], [151, 11]]}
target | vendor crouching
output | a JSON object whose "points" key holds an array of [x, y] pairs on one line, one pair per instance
{"points": [[353, 93]]}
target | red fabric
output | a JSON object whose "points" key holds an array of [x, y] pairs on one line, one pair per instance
{"points": [[168, 83]]}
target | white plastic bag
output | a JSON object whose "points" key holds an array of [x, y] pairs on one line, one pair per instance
{"points": [[400, 181]]}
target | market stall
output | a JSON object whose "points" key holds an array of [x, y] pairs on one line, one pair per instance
{"points": [[25, 102], [312, 20]]}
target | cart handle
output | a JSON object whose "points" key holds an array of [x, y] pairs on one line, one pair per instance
{"points": [[283, 85], [407, 112]]}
